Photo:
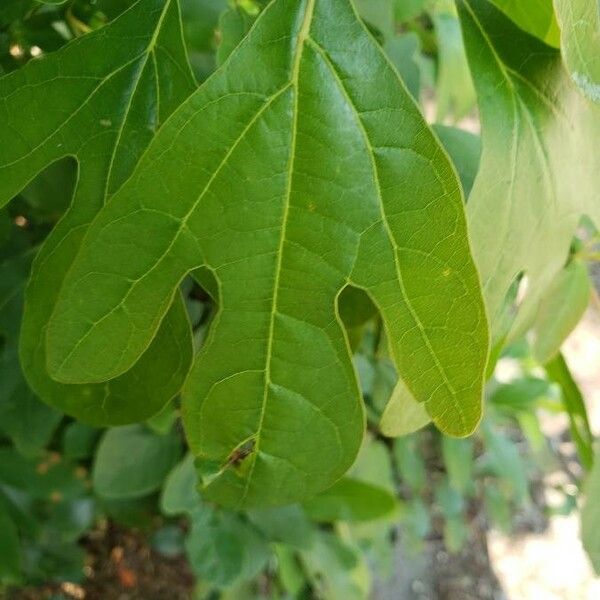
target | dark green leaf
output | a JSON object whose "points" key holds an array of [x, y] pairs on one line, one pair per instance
{"points": [[113, 87], [560, 310], [132, 461]]}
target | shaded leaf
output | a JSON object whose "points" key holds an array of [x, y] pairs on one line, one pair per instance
{"points": [[350, 500], [563, 306], [106, 110], [223, 549], [264, 199], [464, 149], [403, 415], [131, 461]]}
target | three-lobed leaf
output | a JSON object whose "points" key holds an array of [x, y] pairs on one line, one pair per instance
{"points": [[301, 166]]}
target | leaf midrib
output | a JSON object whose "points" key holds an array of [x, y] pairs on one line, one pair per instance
{"points": [[299, 50]]}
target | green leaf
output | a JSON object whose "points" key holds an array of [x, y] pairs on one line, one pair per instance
{"points": [[503, 459], [180, 492], [350, 500], [403, 415], [590, 516], [402, 51], [410, 463], [539, 145], [464, 149], [404, 10], [113, 87], [337, 569], [10, 549], [79, 441], [535, 17], [23, 418], [286, 212], [563, 306], [458, 460], [223, 549], [131, 461], [455, 92], [288, 525], [580, 36], [522, 394], [558, 371], [379, 14]]}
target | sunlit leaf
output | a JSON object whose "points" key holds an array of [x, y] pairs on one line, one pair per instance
{"points": [[286, 212]]}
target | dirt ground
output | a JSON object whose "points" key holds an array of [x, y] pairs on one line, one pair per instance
{"points": [[121, 566]]}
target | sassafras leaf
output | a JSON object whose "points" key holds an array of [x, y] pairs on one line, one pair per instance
{"points": [[302, 166]]}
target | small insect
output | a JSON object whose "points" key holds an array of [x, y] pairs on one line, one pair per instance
{"points": [[239, 454]]}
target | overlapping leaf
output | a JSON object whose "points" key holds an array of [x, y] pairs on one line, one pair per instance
{"points": [[100, 99], [302, 166], [580, 36], [535, 17], [539, 165]]}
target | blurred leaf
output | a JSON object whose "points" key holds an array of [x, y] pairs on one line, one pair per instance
{"points": [[23, 418], [456, 533], [224, 549], [455, 91], [200, 22], [350, 500], [503, 459], [379, 14], [562, 307], [289, 570], [580, 36], [410, 464], [79, 440], [464, 149], [404, 10], [590, 516], [169, 541], [416, 524], [132, 461], [337, 569], [574, 404], [458, 459], [403, 415], [288, 525], [10, 549], [48, 477], [180, 492], [498, 507], [234, 24], [402, 50], [522, 394]]}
